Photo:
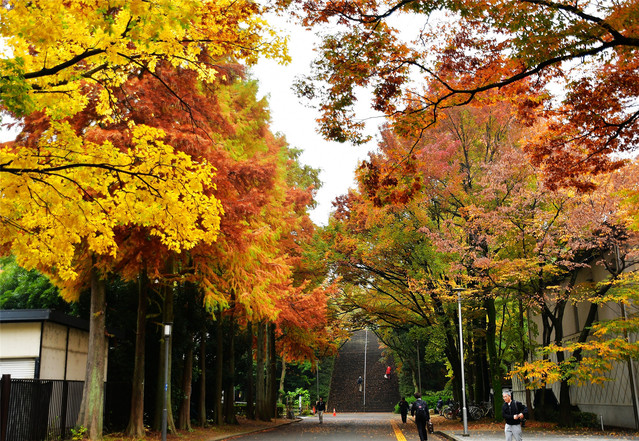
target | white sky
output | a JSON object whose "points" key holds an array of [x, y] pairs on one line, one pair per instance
{"points": [[296, 121]]}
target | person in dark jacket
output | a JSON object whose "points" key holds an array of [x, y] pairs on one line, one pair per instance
{"points": [[419, 410], [320, 407], [514, 413], [403, 408]]}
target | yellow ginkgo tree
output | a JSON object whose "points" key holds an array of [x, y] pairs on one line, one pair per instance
{"points": [[52, 49], [64, 197], [64, 221], [89, 189]]}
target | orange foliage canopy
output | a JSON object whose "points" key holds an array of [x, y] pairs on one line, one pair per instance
{"points": [[578, 63]]}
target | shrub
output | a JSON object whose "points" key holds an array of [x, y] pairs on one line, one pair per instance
{"points": [[585, 419], [431, 397]]}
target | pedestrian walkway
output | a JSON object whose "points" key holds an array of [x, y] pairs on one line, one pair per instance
{"points": [[492, 435], [485, 430]]}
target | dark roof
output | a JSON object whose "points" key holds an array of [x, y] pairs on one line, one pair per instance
{"points": [[42, 315]]}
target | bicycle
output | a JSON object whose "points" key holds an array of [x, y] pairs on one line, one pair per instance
{"points": [[451, 411], [477, 412], [488, 409]]}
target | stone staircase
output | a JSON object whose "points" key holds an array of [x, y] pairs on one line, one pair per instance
{"points": [[379, 394]]}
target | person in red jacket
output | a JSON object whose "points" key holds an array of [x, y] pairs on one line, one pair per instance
{"points": [[388, 372]]}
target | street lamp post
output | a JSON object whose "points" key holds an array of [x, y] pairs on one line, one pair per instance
{"points": [[365, 354], [461, 356], [167, 336], [419, 370]]}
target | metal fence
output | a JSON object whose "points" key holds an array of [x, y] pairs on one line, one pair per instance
{"points": [[41, 410]]}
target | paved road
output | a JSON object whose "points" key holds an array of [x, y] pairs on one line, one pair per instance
{"points": [[388, 427], [343, 427]]}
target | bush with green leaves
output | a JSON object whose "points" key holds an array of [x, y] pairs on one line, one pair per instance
{"points": [[585, 419]]}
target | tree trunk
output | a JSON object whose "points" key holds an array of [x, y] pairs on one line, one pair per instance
{"points": [[451, 349], [478, 344], [92, 406], [135, 428], [184, 414], [494, 357], [415, 381], [565, 417], [453, 354], [250, 386], [229, 391], [167, 317], [219, 366], [282, 377], [202, 401], [524, 357], [261, 398], [271, 382]]}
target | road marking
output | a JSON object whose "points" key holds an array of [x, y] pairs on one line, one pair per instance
{"points": [[398, 433]]}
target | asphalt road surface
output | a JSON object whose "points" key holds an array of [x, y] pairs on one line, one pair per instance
{"points": [[344, 427]]}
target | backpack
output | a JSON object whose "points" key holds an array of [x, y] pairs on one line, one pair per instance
{"points": [[421, 409]]}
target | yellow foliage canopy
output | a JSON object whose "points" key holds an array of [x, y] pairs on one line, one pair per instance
{"points": [[52, 46], [53, 202]]}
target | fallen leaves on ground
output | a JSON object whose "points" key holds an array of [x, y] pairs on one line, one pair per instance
{"points": [[442, 424], [206, 433]]}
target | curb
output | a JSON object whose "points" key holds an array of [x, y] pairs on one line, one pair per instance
{"points": [[444, 435], [247, 432]]}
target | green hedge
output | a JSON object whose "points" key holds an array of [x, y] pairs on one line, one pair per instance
{"points": [[431, 398], [585, 419]]}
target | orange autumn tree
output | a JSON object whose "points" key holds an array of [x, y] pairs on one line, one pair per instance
{"points": [[385, 235], [465, 207], [534, 250], [261, 274], [304, 328], [250, 166], [244, 271], [590, 357], [263, 189], [419, 58]]}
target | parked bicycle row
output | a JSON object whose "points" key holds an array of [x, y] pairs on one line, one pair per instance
{"points": [[475, 412]]}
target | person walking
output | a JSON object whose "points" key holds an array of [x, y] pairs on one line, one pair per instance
{"points": [[403, 408], [388, 372], [514, 413], [419, 410], [320, 407], [360, 382]]}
